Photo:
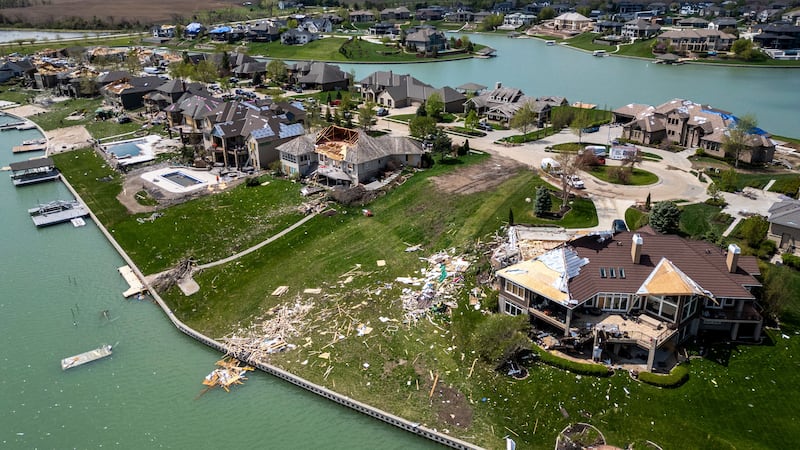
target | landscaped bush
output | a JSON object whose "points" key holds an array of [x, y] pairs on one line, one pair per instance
{"points": [[675, 378], [790, 260], [596, 370]]}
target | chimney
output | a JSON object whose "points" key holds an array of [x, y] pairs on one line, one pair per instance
{"points": [[498, 85], [636, 248], [733, 257]]}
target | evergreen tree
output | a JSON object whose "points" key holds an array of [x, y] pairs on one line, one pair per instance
{"points": [[510, 216], [543, 202], [647, 203], [666, 217]]}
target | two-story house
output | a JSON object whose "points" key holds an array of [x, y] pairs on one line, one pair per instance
{"points": [[636, 293], [344, 156]]}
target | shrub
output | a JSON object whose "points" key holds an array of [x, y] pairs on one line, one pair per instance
{"points": [[790, 260], [675, 378], [596, 370], [252, 182], [767, 249]]}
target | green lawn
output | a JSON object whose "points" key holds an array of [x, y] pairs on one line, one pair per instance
{"points": [[328, 49], [639, 177], [640, 49], [741, 397], [699, 220], [584, 41]]}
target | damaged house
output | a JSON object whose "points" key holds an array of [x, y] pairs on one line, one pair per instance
{"points": [[347, 157], [636, 296]]}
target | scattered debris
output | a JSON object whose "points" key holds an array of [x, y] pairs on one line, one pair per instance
{"points": [[439, 282], [381, 262], [312, 291], [280, 290], [229, 372]]}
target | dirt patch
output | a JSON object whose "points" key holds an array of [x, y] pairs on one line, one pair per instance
{"points": [[452, 407], [478, 177], [68, 138], [145, 11]]}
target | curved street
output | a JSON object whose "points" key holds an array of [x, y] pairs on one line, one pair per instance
{"points": [[675, 181]]}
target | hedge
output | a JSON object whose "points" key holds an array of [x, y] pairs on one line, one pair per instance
{"points": [[597, 370], [675, 378]]}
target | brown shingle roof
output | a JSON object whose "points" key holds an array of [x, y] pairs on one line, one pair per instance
{"points": [[700, 261]]}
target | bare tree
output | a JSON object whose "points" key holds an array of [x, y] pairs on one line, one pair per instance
{"points": [[735, 141], [571, 164], [524, 118]]}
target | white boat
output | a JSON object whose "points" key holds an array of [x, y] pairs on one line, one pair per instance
{"points": [[550, 42], [599, 53]]}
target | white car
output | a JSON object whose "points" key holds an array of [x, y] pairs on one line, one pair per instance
{"points": [[575, 181]]}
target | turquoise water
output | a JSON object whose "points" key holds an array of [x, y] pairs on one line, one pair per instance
{"points": [[56, 284], [772, 95], [129, 148]]}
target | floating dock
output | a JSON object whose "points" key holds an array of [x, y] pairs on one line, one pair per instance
{"points": [[11, 126], [86, 357], [136, 285], [56, 212]]}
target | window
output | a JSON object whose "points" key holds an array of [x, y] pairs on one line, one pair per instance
{"points": [[515, 290], [689, 308], [612, 273], [602, 272], [512, 309], [663, 308], [621, 272], [612, 302]]}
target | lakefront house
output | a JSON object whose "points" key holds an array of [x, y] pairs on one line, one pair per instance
{"points": [[636, 295]]}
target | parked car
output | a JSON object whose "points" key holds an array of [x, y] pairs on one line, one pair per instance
{"points": [[123, 119], [382, 112], [298, 89], [618, 225], [575, 181], [591, 130], [485, 126]]}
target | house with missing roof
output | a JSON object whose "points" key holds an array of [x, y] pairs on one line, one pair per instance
{"points": [[635, 297], [129, 92], [348, 157], [691, 125], [784, 225]]}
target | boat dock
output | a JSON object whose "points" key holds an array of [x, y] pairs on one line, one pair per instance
{"points": [[33, 171], [86, 357], [136, 285], [56, 212], [28, 148], [12, 126]]}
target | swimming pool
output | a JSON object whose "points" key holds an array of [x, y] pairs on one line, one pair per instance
{"points": [[126, 149], [181, 178]]}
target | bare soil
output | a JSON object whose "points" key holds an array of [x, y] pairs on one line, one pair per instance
{"points": [[145, 11], [478, 177]]}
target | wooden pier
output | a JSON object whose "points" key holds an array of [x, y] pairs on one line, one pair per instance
{"points": [[28, 148], [136, 285]]}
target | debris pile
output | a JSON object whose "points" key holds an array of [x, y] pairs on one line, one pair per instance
{"points": [[230, 372], [269, 336], [437, 286]]}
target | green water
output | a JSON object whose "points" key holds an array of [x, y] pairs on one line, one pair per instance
{"points": [[56, 282]]}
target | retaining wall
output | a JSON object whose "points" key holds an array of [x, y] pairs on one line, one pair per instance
{"points": [[355, 405]]}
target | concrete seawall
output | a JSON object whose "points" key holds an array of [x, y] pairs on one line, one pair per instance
{"points": [[322, 391]]}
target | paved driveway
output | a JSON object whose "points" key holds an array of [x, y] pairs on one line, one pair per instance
{"points": [[611, 200]]}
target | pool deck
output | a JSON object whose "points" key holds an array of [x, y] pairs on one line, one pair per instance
{"points": [[208, 179], [146, 151]]}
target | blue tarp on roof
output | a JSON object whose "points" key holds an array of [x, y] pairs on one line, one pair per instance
{"points": [[220, 30], [735, 119], [194, 27]]}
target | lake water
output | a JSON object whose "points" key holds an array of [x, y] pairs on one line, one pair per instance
{"points": [[56, 284], [13, 35], [772, 95]]}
